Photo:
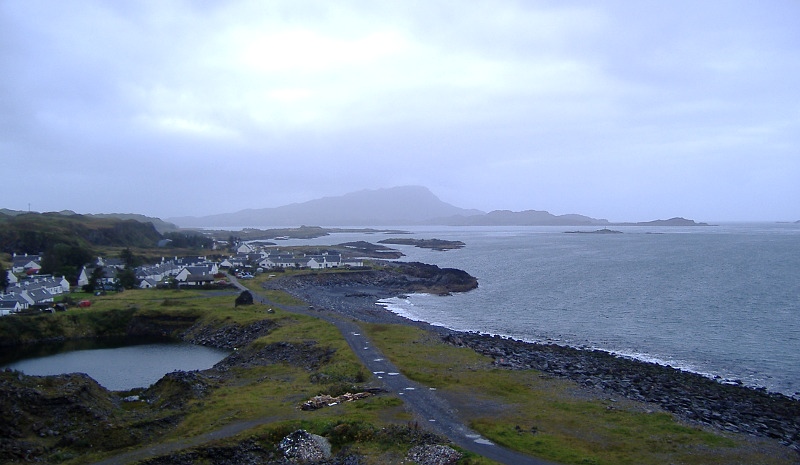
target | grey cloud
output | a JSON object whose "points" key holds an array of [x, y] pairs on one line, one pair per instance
{"points": [[610, 109]]}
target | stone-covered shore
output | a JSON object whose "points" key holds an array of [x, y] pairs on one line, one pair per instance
{"points": [[690, 396]]}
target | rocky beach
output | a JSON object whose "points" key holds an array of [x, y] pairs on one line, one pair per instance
{"points": [[692, 397]]}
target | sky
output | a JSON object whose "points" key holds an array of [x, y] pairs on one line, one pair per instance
{"points": [[622, 110]]}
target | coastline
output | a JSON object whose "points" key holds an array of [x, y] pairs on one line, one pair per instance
{"points": [[638, 357], [692, 397]]}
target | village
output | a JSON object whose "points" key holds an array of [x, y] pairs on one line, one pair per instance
{"points": [[29, 290]]}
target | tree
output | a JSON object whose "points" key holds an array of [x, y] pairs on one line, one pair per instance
{"points": [[65, 259], [3, 278], [193, 240], [95, 280], [127, 278], [127, 257]]}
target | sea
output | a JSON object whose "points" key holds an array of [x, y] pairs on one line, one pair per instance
{"points": [[722, 300]]}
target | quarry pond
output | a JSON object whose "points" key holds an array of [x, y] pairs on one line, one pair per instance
{"points": [[118, 364]]}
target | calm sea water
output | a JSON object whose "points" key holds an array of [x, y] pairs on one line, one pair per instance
{"points": [[121, 364], [722, 300]]}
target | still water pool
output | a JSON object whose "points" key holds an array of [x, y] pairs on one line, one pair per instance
{"points": [[117, 364]]}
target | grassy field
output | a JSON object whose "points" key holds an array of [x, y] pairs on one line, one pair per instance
{"points": [[554, 419]]}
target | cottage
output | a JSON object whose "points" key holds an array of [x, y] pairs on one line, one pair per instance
{"points": [[324, 261], [244, 247], [10, 304], [36, 296], [28, 264], [354, 262], [199, 280], [148, 283], [282, 261], [203, 270]]}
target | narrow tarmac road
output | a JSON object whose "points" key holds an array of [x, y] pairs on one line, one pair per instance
{"points": [[430, 410]]}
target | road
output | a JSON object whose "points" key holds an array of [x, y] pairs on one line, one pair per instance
{"points": [[430, 410]]}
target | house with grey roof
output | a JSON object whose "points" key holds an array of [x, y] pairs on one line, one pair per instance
{"points": [[148, 283], [28, 264], [201, 270], [199, 280], [10, 303]]}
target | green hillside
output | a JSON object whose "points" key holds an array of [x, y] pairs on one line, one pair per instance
{"points": [[37, 232]]}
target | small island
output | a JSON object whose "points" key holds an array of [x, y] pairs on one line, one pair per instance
{"points": [[434, 244], [599, 231]]}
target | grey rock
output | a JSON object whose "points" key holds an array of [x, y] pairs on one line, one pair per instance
{"points": [[434, 454], [303, 447]]}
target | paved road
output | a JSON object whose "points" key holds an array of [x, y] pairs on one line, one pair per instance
{"points": [[430, 409]]}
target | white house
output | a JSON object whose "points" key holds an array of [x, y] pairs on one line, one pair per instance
{"points": [[324, 261], [109, 277], [199, 279], [202, 270], [53, 285], [36, 296], [244, 247], [148, 283], [29, 264], [357, 262], [281, 261], [9, 304], [83, 277]]}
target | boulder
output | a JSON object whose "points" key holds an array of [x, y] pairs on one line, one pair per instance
{"points": [[434, 454], [304, 447], [245, 298]]}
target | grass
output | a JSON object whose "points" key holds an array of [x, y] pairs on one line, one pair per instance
{"points": [[550, 418], [273, 392], [523, 410]]}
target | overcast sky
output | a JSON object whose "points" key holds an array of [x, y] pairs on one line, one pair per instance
{"points": [[629, 110]]}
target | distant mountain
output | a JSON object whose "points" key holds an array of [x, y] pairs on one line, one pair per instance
{"points": [[396, 206], [677, 221], [523, 218], [406, 205]]}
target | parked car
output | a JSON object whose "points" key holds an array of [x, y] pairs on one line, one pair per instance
{"points": [[85, 303]]}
